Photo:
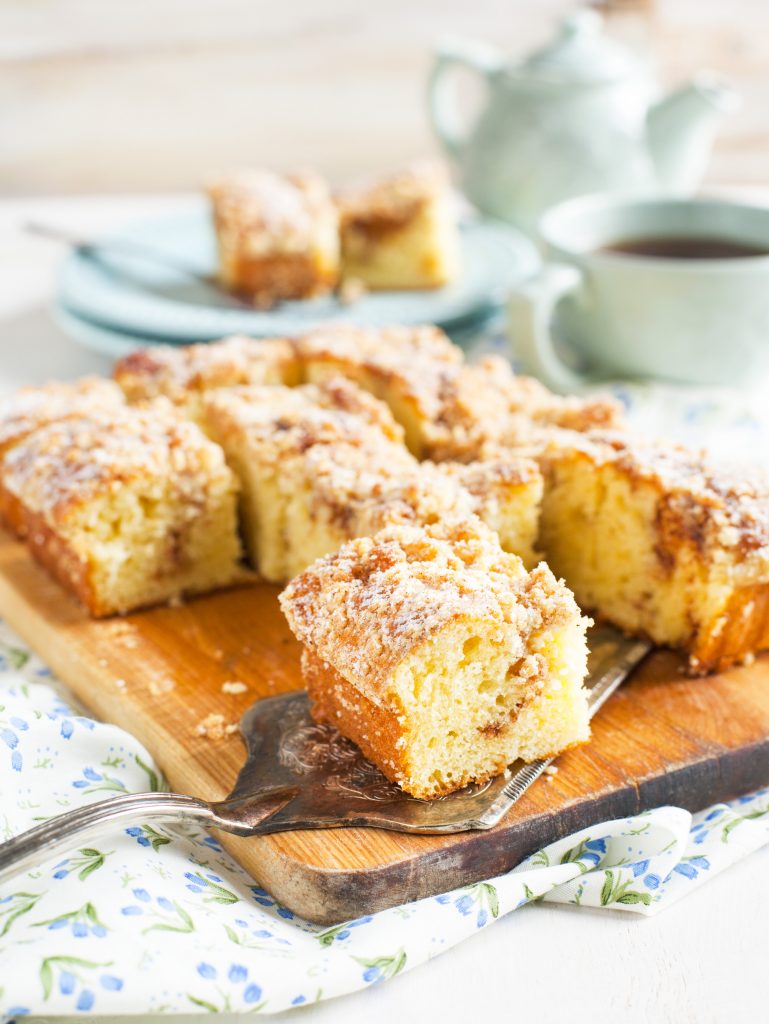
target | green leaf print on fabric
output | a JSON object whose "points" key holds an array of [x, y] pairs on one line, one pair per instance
{"points": [[615, 890], [15, 906]]}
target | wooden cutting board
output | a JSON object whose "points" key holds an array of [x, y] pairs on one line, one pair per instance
{"points": [[663, 738]]}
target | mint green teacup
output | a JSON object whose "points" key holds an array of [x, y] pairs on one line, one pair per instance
{"points": [[676, 289]]}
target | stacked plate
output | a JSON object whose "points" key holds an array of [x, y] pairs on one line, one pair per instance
{"points": [[113, 302]]}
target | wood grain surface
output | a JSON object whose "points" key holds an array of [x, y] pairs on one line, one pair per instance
{"points": [[663, 738]]}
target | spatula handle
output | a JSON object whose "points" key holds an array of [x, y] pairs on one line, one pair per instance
{"points": [[32, 848]]}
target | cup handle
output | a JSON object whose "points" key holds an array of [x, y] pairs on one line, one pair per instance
{"points": [[441, 100], [530, 313]]}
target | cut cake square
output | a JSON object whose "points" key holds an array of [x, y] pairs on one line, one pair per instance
{"points": [[278, 235], [661, 542], [400, 231], [269, 436], [507, 495], [127, 508], [440, 655], [30, 408]]}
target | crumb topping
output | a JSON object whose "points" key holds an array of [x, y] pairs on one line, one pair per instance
{"points": [[65, 464], [285, 420], [175, 370], [389, 202], [215, 727], [30, 408], [363, 609], [715, 507], [265, 211], [462, 408], [234, 686]]}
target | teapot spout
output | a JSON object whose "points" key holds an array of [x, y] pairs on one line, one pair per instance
{"points": [[681, 128]]}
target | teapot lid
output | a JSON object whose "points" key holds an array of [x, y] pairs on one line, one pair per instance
{"points": [[582, 53]]}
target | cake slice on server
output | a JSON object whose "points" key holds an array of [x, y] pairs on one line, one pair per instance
{"points": [[440, 655], [127, 507], [31, 408], [320, 464]]}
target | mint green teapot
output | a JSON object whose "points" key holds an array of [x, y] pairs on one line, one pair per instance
{"points": [[578, 116]]}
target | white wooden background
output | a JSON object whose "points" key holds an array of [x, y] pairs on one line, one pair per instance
{"points": [[120, 95]]}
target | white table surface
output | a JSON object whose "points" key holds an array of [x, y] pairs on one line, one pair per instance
{"points": [[703, 960]]}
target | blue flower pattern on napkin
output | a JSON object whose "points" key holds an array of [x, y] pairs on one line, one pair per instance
{"points": [[153, 919]]}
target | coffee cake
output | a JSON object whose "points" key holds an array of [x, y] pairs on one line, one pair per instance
{"points": [[440, 655], [127, 507], [400, 231], [278, 235]]}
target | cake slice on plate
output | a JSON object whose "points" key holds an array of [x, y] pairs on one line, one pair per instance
{"points": [[660, 542], [128, 507], [31, 408], [440, 655], [278, 235], [184, 373], [400, 231]]}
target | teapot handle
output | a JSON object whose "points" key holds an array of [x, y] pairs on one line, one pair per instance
{"points": [[530, 312], [449, 56]]}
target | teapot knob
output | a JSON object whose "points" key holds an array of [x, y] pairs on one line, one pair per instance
{"points": [[583, 22]]}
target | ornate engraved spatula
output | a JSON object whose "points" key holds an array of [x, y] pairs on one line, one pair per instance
{"points": [[300, 775]]}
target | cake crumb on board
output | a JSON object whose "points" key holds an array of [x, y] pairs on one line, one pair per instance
{"points": [[215, 727], [234, 686]]}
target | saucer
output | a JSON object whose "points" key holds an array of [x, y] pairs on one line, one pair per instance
{"points": [[137, 297], [108, 341]]}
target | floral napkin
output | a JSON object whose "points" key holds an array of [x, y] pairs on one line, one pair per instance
{"points": [[153, 919]]}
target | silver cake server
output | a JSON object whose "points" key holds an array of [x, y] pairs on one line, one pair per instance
{"points": [[299, 775]]}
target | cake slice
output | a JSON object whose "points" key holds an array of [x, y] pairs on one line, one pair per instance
{"points": [[440, 655], [400, 231], [450, 409], [507, 496], [127, 507], [322, 464], [660, 542], [184, 373], [278, 235], [30, 408], [274, 440], [403, 366]]}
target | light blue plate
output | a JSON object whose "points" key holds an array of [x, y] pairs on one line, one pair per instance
{"points": [[137, 297], [109, 342]]}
